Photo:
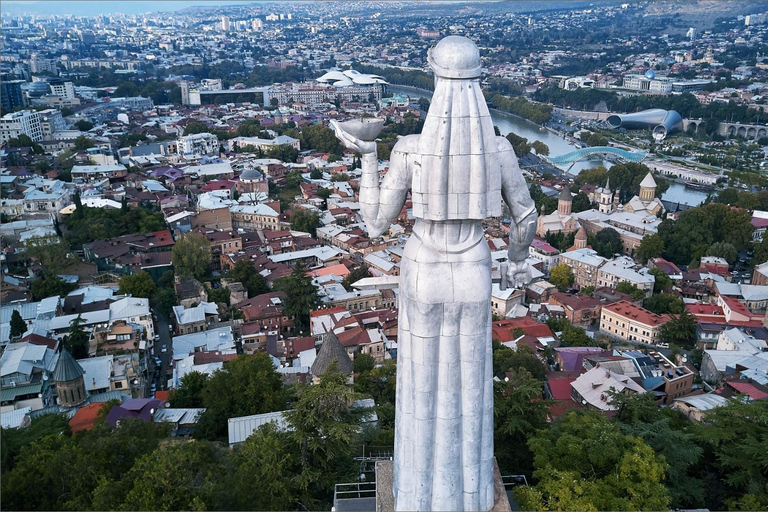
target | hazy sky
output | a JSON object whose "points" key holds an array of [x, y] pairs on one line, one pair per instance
{"points": [[93, 8]]}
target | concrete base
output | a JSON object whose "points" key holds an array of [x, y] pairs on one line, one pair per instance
{"points": [[385, 499]]}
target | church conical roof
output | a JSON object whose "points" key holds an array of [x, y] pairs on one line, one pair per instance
{"points": [[331, 349], [648, 181], [581, 234], [565, 195], [67, 369]]}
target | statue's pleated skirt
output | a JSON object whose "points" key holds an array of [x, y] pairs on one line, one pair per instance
{"points": [[444, 412]]}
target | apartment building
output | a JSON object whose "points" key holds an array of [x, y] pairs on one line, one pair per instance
{"points": [[27, 122], [585, 264], [631, 322]]}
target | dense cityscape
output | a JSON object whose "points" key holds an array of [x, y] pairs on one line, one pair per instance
{"points": [[195, 314]]}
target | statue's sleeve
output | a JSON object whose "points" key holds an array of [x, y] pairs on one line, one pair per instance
{"points": [[514, 190], [381, 204]]}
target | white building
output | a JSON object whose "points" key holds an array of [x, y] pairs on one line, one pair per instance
{"points": [[27, 122], [623, 269], [200, 144], [265, 144], [50, 196], [63, 88]]}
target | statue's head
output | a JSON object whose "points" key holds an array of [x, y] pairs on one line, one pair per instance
{"points": [[455, 57]]}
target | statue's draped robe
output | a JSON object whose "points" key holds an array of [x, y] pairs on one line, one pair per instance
{"points": [[444, 419]]}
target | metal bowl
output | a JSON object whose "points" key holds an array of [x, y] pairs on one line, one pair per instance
{"points": [[366, 129]]}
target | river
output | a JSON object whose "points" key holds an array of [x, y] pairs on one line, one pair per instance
{"points": [[557, 145]]}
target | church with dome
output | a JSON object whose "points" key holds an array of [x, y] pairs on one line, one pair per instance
{"points": [[560, 221], [646, 202]]}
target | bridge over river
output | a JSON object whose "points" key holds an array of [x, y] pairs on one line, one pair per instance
{"points": [[580, 154]]}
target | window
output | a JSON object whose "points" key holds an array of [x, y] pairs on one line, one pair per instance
{"points": [[118, 385]]}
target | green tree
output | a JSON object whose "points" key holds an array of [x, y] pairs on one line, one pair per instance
{"points": [[607, 243], [196, 127], [540, 148], [630, 289], [305, 220], [596, 176], [269, 457], [585, 462], [505, 359], [723, 250], [661, 280], [680, 330], [174, 477], [761, 251], [301, 295], [321, 138], [561, 276], [189, 393], [166, 299], [244, 386], [82, 143], [219, 295], [519, 144], [245, 273], [49, 250], [364, 363], [191, 255], [139, 284], [651, 246], [14, 439], [668, 433], [83, 125], [42, 477], [355, 275], [664, 303], [18, 325], [580, 203], [735, 438], [76, 342], [574, 336], [518, 413], [326, 428], [51, 287], [689, 237]]}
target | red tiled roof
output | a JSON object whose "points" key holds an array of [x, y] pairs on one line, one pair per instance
{"points": [[36, 339], [353, 337], [629, 310], [502, 330], [561, 388], [162, 395], [85, 417], [562, 407], [745, 388]]}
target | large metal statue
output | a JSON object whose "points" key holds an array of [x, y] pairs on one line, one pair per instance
{"points": [[458, 171]]}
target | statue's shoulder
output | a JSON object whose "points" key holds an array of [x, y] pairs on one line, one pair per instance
{"points": [[407, 144], [503, 144]]}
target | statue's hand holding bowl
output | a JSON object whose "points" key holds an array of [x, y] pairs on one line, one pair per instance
{"points": [[519, 274], [359, 134]]}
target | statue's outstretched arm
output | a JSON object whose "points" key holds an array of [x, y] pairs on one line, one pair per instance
{"points": [[523, 228], [380, 204]]}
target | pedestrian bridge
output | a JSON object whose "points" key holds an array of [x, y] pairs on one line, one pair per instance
{"points": [[580, 154]]}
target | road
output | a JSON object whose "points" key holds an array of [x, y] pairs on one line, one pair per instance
{"points": [[161, 329]]}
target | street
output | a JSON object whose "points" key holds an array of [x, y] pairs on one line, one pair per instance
{"points": [[161, 328]]}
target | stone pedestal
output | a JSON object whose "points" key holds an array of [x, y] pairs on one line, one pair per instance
{"points": [[385, 499]]}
